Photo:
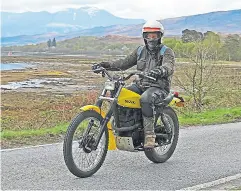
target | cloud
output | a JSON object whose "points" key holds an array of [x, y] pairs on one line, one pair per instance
{"points": [[154, 9]]}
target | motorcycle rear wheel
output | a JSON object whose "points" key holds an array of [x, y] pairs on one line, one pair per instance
{"points": [[157, 156], [88, 161]]}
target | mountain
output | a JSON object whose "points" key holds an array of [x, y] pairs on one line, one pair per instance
{"points": [[226, 22], [32, 23], [97, 31], [222, 21]]}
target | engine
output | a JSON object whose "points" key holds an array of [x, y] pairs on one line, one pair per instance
{"points": [[128, 116]]}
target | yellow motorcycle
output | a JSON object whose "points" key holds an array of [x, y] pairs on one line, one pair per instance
{"points": [[93, 132]]}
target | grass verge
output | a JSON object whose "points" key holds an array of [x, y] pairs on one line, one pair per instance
{"points": [[223, 115], [239, 188], [217, 116], [9, 134]]}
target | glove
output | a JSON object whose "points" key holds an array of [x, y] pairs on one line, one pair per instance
{"points": [[96, 66], [157, 73], [105, 65]]}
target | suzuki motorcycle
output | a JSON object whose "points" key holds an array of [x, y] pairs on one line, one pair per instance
{"points": [[93, 132]]}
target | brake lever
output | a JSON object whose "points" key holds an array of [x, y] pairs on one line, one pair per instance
{"points": [[151, 78], [103, 74], [143, 75]]}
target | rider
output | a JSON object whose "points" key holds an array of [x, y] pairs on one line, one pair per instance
{"points": [[148, 59]]}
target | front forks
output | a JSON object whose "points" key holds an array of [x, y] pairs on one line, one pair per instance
{"points": [[103, 124], [84, 142], [87, 138]]}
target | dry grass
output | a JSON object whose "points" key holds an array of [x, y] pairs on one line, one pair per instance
{"points": [[222, 85], [46, 59], [34, 111], [17, 76]]}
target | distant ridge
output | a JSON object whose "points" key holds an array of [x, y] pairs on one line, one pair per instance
{"points": [[225, 22]]}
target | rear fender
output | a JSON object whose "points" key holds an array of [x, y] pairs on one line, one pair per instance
{"points": [[112, 144], [177, 101]]}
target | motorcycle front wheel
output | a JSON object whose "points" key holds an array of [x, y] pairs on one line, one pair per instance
{"points": [[80, 156], [164, 151]]}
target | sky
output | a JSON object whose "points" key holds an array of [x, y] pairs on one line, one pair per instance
{"points": [[142, 9]]}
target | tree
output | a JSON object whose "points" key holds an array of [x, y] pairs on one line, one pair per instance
{"points": [[49, 43], [199, 78], [54, 42], [212, 40], [211, 35], [232, 46], [191, 36]]}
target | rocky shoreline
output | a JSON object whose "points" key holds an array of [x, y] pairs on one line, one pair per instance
{"points": [[49, 92], [66, 77]]}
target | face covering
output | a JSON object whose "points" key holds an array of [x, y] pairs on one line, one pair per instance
{"points": [[152, 44]]}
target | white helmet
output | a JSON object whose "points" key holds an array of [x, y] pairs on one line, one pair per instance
{"points": [[149, 27], [153, 26]]}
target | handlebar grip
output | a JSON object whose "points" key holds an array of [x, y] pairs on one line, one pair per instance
{"points": [[143, 75], [98, 70]]}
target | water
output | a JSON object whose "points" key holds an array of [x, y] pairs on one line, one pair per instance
{"points": [[13, 66], [47, 83], [34, 83]]}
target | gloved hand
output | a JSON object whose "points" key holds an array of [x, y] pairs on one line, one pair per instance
{"points": [[105, 65], [157, 73], [96, 66]]}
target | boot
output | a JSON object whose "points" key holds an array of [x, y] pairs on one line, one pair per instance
{"points": [[150, 137]]}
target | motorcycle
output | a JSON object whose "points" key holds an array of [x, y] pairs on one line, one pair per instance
{"points": [[93, 132]]}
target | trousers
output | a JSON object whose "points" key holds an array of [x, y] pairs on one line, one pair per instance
{"points": [[147, 99]]}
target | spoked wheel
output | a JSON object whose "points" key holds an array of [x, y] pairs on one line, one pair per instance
{"points": [[80, 156], [166, 147]]}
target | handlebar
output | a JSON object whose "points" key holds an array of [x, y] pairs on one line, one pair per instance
{"points": [[141, 74]]}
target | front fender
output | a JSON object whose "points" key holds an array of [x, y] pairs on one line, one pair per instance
{"points": [[112, 144]]}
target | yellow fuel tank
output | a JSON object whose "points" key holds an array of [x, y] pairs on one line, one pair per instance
{"points": [[128, 98]]}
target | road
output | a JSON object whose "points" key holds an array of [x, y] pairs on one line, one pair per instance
{"points": [[203, 154]]}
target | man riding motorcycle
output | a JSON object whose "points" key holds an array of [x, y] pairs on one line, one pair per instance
{"points": [[158, 62]]}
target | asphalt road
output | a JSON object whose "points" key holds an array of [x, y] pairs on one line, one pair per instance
{"points": [[203, 154]]}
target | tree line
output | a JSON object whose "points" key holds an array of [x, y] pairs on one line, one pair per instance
{"points": [[225, 48], [203, 76]]}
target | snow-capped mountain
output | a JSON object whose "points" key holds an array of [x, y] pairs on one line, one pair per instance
{"points": [[225, 22], [91, 11], [69, 20]]}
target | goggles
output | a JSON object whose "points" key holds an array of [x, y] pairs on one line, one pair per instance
{"points": [[151, 35]]}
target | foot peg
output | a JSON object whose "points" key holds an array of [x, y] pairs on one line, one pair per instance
{"points": [[150, 141]]}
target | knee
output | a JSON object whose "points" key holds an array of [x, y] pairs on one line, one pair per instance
{"points": [[147, 100], [146, 104], [146, 97]]}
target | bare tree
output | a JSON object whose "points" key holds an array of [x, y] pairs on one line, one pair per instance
{"points": [[200, 76]]}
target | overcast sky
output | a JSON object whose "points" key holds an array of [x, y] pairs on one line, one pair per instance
{"points": [[145, 9]]}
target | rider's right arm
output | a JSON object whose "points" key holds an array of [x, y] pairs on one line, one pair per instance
{"points": [[124, 64]]}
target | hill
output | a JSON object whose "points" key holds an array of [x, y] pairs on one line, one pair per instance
{"points": [[32, 23], [225, 22]]}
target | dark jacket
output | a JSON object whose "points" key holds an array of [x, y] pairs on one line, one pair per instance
{"points": [[146, 62]]}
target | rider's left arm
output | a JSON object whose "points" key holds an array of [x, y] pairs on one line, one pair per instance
{"points": [[168, 62]]}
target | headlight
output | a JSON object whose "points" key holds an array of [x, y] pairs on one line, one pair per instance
{"points": [[109, 85]]}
